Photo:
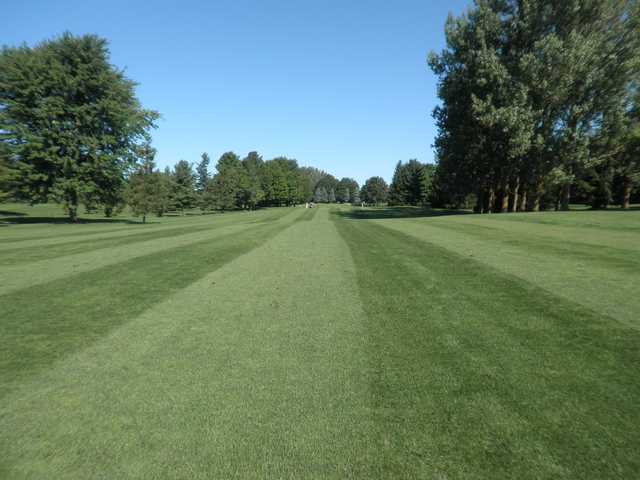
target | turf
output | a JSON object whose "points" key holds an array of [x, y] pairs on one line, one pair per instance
{"points": [[325, 343]]}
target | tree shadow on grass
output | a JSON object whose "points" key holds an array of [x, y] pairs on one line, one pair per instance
{"points": [[7, 213], [25, 220], [372, 213]]}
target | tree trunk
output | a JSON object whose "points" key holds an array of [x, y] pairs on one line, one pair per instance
{"points": [[489, 200], [566, 197], [144, 218], [479, 202], [626, 192], [504, 200], [73, 213], [533, 204], [515, 194], [522, 201]]}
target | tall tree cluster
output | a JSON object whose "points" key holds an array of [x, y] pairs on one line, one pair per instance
{"points": [[539, 104], [70, 124], [411, 183]]}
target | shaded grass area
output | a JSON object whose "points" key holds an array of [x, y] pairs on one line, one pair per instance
{"points": [[48, 321], [372, 213], [479, 374], [53, 214]]}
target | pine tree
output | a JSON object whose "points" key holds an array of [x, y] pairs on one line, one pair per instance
{"points": [[202, 174], [184, 195], [145, 192], [71, 120]]}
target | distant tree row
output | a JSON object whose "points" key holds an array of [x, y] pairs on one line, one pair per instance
{"points": [[72, 131], [237, 184], [540, 104]]}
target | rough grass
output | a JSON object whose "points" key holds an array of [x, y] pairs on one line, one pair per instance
{"points": [[325, 343]]}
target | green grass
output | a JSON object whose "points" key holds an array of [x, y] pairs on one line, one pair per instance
{"points": [[324, 343]]}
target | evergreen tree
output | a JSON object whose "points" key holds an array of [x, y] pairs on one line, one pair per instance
{"points": [[184, 195], [411, 184], [398, 187], [202, 173], [145, 192], [5, 173], [70, 119], [332, 196]]}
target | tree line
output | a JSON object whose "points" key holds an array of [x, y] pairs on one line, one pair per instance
{"points": [[72, 131], [238, 184], [540, 105]]}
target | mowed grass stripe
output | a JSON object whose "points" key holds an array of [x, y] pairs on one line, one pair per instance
{"points": [[41, 251], [64, 236], [51, 320], [32, 254], [534, 241], [63, 233], [16, 277], [257, 370], [620, 221], [583, 235], [480, 374], [600, 284]]}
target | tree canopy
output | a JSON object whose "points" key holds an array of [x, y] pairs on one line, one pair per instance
{"points": [[375, 191], [536, 95], [70, 121]]}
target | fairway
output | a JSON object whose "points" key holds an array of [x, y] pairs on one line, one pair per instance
{"points": [[332, 342]]}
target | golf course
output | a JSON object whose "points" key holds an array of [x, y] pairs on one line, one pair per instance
{"points": [[331, 342]]}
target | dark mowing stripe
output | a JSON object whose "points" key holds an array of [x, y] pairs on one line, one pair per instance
{"points": [[476, 370], [606, 256], [43, 252], [47, 322]]}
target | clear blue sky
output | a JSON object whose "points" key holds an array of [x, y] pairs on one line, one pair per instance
{"points": [[341, 85]]}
